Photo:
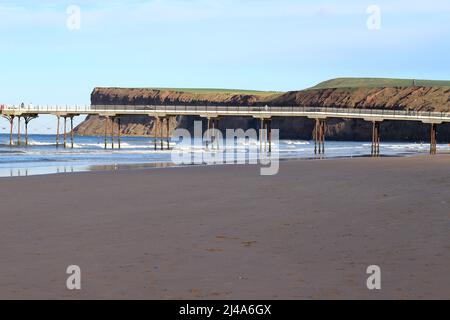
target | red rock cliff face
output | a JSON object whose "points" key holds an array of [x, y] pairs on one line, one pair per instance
{"points": [[412, 98], [154, 96], [144, 125]]}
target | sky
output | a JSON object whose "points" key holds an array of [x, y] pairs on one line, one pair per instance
{"points": [[56, 52]]}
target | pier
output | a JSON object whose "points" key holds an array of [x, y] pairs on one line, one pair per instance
{"points": [[163, 113]]}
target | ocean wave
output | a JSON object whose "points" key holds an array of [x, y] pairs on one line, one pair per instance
{"points": [[11, 152], [295, 142], [42, 144]]}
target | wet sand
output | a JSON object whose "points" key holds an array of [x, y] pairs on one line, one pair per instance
{"points": [[228, 233]]}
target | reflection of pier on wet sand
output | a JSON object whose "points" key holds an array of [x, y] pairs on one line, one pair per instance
{"points": [[227, 232], [25, 172]]}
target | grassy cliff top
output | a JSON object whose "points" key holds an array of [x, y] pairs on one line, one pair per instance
{"points": [[378, 82], [218, 91]]}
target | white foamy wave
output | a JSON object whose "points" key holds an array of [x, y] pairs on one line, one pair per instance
{"points": [[123, 145], [244, 142], [295, 142], [404, 146], [39, 143]]}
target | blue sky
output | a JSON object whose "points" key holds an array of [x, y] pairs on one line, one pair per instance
{"points": [[248, 44]]}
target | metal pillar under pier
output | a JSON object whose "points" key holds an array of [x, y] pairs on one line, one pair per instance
{"points": [[10, 119], [71, 133], [319, 136], [375, 150], [161, 123], [118, 132], [65, 132], [106, 131], [57, 131], [216, 126], [155, 131], [208, 133], [269, 133], [433, 139], [262, 135], [211, 139], [265, 135], [213, 133], [27, 121], [161, 132], [168, 132], [112, 120], [18, 131]]}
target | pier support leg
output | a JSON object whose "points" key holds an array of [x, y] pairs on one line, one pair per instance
{"points": [[65, 131], [161, 132], [433, 140], [216, 126], [319, 136], [118, 132], [71, 133], [27, 121], [269, 133], [377, 141], [106, 131], [57, 130], [26, 132], [263, 135], [375, 150], [168, 132], [261, 131], [213, 134], [208, 133], [18, 131], [211, 138], [112, 120], [372, 151], [155, 131], [11, 126], [323, 136], [316, 137]]}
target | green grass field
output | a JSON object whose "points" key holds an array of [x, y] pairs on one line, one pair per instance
{"points": [[333, 83], [219, 91], [378, 82]]}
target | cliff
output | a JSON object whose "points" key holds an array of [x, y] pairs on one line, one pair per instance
{"points": [[423, 98], [412, 98], [132, 125]]}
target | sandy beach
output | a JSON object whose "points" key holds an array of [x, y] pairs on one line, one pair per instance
{"points": [[228, 233]]}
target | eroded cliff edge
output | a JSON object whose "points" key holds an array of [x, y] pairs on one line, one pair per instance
{"points": [[399, 98]]}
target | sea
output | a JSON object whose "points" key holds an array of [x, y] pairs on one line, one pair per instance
{"points": [[42, 156]]}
